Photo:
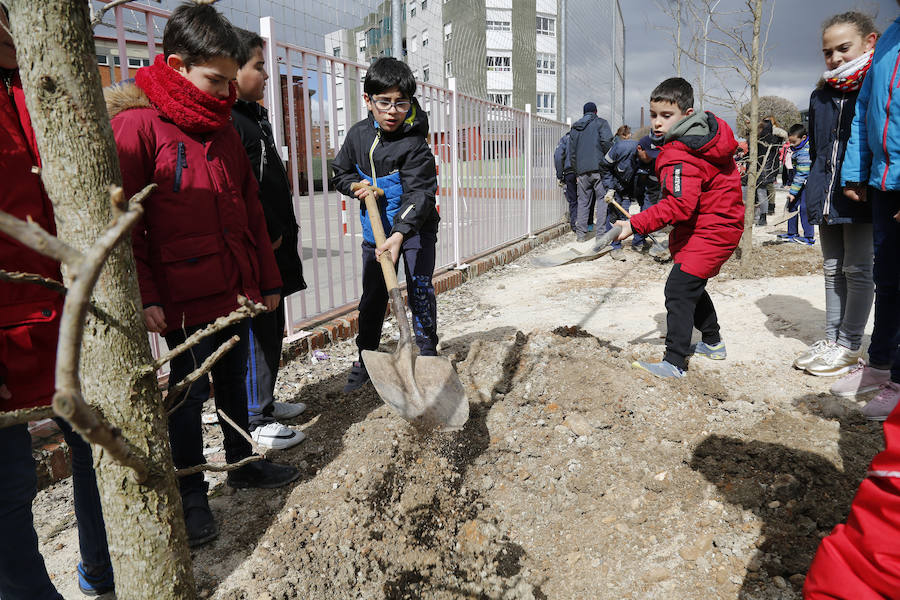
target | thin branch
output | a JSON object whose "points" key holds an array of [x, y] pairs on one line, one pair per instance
{"points": [[255, 447], [218, 467], [35, 237], [95, 430], [25, 415], [98, 16], [199, 372], [18, 277], [247, 309]]}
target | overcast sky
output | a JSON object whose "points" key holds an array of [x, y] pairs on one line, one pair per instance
{"points": [[794, 50]]}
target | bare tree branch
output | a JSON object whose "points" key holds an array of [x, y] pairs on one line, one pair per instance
{"points": [[33, 235], [25, 415], [247, 309], [18, 277], [199, 372], [218, 468], [98, 16], [255, 447]]}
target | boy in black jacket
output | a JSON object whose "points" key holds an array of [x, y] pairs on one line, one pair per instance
{"points": [[389, 150], [267, 329]]}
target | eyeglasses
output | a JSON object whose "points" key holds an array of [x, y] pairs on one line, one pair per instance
{"points": [[386, 105]]}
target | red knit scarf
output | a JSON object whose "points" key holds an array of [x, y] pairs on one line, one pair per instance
{"points": [[849, 76], [192, 109]]}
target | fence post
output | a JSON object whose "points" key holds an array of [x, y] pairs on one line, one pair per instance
{"points": [[273, 90], [454, 170], [529, 184]]}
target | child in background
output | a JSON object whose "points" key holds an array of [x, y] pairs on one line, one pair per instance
{"points": [[845, 226], [389, 150], [202, 240], [701, 199], [619, 170], [267, 330], [796, 200]]}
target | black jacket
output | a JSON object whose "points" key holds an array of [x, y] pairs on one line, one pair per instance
{"points": [[767, 149], [251, 121], [589, 141], [830, 114], [404, 168]]}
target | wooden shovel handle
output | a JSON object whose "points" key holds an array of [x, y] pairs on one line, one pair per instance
{"points": [[610, 198], [386, 260]]}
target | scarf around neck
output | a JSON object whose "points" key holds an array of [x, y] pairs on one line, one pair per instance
{"points": [[179, 100], [849, 76]]}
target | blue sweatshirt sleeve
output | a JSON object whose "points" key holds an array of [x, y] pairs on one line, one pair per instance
{"points": [[802, 164], [858, 156]]}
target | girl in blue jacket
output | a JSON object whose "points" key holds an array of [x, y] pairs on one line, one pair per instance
{"points": [[873, 159], [845, 227]]}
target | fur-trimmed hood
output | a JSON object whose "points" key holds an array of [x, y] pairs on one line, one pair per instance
{"points": [[123, 96]]}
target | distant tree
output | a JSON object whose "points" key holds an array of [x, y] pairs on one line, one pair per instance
{"points": [[781, 109]]}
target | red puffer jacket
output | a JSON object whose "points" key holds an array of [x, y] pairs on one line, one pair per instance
{"points": [[860, 560], [29, 313], [203, 238], [702, 196]]}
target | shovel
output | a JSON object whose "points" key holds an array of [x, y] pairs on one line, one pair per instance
{"points": [[658, 249], [787, 217], [424, 390]]}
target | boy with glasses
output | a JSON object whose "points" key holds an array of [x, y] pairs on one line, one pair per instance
{"points": [[389, 150]]}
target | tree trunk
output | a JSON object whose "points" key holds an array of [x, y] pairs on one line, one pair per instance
{"points": [[752, 139], [144, 522]]}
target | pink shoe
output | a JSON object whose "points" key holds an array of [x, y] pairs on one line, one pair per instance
{"points": [[860, 380], [884, 403]]}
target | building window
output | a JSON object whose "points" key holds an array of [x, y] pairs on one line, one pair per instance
{"points": [[546, 63], [500, 98], [103, 60], [336, 51], [414, 42], [448, 68], [448, 31], [362, 48], [546, 103], [499, 26], [412, 12], [499, 63], [546, 26], [424, 38], [425, 73], [424, 5]]}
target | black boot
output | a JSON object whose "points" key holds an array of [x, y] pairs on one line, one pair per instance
{"points": [[262, 474], [198, 519]]}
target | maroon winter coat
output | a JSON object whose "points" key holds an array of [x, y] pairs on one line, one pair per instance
{"points": [[203, 238], [701, 196], [29, 313]]}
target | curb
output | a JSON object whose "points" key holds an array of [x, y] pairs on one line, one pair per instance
{"points": [[52, 454]]}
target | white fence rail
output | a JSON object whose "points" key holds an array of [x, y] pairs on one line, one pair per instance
{"points": [[495, 163]]}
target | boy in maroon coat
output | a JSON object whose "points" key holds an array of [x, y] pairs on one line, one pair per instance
{"points": [[701, 199], [203, 238]]}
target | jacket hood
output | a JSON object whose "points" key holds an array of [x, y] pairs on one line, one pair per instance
{"points": [[124, 96], [706, 136], [582, 123], [416, 122]]}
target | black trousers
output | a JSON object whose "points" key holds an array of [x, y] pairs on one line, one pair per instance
{"points": [[688, 306], [185, 427]]}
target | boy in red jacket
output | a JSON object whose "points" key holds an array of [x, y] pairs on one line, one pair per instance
{"points": [[203, 238], [701, 199]]}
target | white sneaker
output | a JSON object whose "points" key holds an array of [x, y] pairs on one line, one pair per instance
{"points": [[284, 411], [276, 436], [812, 353]]}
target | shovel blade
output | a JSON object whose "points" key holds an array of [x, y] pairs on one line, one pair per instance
{"points": [[430, 395]]}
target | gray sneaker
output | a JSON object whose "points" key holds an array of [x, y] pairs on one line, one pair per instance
{"points": [[811, 354], [835, 361], [711, 351], [617, 254], [663, 369]]}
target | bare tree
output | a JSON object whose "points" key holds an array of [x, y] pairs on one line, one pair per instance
{"points": [[106, 384], [677, 11]]}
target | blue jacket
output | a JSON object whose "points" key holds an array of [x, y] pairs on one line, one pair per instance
{"points": [[830, 114], [403, 167], [621, 164], [562, 160], [873, 152], [800, 158], [589, 141]]}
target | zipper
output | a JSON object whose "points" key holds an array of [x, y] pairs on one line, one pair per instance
{"points": [[887, 118], [834, 153], [262, 157], [180, 163]]}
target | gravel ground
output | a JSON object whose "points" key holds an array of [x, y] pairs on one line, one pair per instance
{"points": [[576, 476]]}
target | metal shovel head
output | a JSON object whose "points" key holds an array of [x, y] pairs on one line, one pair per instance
{"points": [[575, 252], [424, 390]]}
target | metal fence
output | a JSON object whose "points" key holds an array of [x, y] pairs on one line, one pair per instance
{"points": [[495, 163]]}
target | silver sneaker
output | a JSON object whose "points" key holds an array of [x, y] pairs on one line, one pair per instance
{"points": [[835, 361], [811, 354]]}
